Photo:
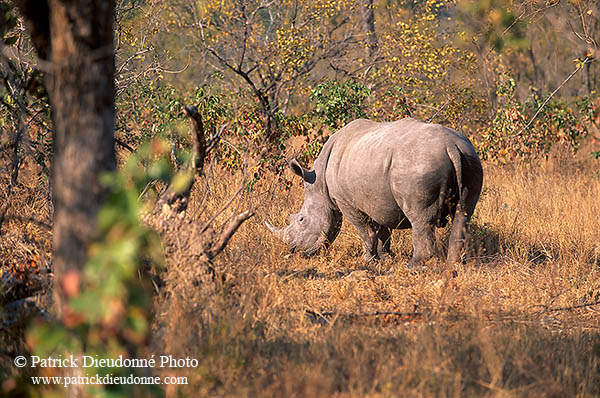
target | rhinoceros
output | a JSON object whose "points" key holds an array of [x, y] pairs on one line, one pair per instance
{"points": [[384, 176]]}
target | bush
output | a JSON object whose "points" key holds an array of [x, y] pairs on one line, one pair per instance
{"points": [[337, 103], [530, 129]]}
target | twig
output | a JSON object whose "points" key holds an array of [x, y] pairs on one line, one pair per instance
{"points": [[137, 54], [320, 317], [173, 72], [574, 307], [28, 219], [520, 18], [214, 140], [438, 111], [579, 67], [124, 145], [240, 189]]}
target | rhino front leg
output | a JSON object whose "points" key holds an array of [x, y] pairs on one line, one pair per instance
{"points": [[366, 228], [423, 244]]}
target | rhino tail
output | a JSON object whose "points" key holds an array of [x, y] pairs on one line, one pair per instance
{"points": [[455, 156]]}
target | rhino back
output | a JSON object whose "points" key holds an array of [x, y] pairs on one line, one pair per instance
{"points": [[392, 170]]}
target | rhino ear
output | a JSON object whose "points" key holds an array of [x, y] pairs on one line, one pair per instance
{"points": [[307, 175]]}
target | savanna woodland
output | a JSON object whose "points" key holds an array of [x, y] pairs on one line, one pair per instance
{"points": [[144, 143]]}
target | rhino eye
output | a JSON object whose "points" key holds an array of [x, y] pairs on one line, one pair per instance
{"points": [[300, 218]]}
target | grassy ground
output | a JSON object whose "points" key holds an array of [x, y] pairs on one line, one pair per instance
{"points": [[516, 319]]}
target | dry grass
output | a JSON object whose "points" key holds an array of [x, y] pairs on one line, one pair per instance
{"points": [[25, 256], [515, 320]]}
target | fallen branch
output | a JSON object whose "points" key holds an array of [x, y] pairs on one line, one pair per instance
{"points": [[327, 317], [214, 140], [573, 307], [19, 311], [174, 200], [229, 231], [230, 201]]}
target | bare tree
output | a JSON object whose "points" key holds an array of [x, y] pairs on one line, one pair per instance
{"points": [[272, 48]]}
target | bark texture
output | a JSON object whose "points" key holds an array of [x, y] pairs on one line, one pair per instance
{"points": [[367, 10], [74, 41]]}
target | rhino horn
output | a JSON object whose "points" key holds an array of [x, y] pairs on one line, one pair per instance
{"points": [[275, 230]]}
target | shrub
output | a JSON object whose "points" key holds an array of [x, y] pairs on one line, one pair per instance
{"points": [[529, 129], [337, 103]]}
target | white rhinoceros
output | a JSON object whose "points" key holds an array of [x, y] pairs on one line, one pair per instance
{"points": [[383, 176]]}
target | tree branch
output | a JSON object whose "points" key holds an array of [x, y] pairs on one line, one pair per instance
{"points": [[15, 88], [585, 61], [37, 19], [123, 144], [178, 199], [229, 232], [199, 148]]}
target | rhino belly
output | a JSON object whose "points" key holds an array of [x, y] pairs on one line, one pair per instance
{"points": [[375, 202], [387, 213], [365, 188]]}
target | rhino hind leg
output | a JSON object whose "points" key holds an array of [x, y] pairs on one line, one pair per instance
{"points": [[369, 235], [384, 241], [423, 244], [460, 225], [459, 232], [458, 235]]}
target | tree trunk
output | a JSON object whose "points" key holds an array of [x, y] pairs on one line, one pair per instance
{"points": [[536, 70], [75, 42], [82, 101], [589, 78], [367, 10]]}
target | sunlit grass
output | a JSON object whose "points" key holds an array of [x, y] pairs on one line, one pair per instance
{"points": [[514, 320]]}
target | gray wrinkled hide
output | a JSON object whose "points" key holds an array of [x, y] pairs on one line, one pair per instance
{"points": [[383, 176]]}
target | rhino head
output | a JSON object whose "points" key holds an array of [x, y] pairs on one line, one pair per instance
{"points": [[318, 223]]}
